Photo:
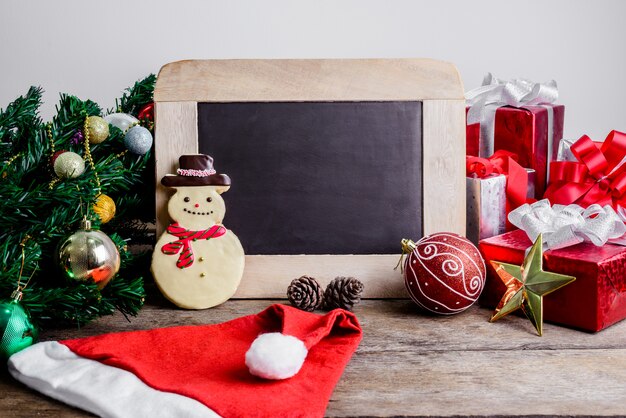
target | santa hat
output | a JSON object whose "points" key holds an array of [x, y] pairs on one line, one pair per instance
{"points": [[200, 371]]}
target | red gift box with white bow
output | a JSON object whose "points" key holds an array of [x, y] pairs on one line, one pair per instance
{"points": [[580, 246]]}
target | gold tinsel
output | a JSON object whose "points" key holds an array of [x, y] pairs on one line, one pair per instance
{"points": [[104, 208]]}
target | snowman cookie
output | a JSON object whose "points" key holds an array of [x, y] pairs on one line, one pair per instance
{"points": [[197, 263]]}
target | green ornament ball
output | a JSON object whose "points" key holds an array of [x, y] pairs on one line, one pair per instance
{"points": [[97, 129], [69, 165], [18, 332]]}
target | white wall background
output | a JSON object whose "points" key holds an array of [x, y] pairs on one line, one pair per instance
{"points": [[94, 49]]}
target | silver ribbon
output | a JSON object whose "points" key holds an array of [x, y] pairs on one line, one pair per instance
{"points": [[494, 93], [563, 226]]}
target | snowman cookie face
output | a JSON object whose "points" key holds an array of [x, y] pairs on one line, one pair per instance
{"points": [[198, 207]]}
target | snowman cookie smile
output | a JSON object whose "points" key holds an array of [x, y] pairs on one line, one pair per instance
{"points": [[197, 213]]}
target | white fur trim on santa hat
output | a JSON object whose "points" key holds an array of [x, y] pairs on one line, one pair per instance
{"points": [[54, 370], [275, 356]]}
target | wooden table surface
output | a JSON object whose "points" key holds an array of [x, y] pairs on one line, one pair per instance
{"points": [[412, 364]]}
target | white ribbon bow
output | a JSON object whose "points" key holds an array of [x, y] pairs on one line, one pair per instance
{"points": [[563, 226], [494, 93]]}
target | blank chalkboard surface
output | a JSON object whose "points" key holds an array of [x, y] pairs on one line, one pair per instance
{"points": [[318, 177]]}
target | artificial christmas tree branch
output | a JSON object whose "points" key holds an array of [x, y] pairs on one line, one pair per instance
{"points": [[37, 203]]}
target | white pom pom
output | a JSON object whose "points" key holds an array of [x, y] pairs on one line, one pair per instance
{"points": [[275, 356]]}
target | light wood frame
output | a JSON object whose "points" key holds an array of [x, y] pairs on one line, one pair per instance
{"points": [[182, 85]]}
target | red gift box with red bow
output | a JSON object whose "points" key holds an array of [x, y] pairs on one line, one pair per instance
{"points": [[596, 300], [494, 187], [524, 132]]}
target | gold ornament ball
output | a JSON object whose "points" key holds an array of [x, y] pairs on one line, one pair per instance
{"points": [[104, 208], [98, 129], [69, 165], [88, 255]]}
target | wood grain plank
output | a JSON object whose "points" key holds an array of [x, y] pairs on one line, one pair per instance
{"points": [[267, 276], [307, 80], [478, 383], [400, 326], [390, 325], [413, 364], [444, 166], [176, 133]]}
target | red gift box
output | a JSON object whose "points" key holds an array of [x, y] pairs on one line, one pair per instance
{"points": [[524, 131], [596, 300]]}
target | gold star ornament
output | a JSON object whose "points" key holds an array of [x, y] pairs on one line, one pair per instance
{"points": [[526, 285]]}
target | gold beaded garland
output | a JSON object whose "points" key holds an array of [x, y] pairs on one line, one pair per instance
{"points": [[10, 161], [88, 156], [15, 157], [55, 180], [49, 135]]}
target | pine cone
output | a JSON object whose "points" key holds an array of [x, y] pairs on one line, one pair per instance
{"points": [[305, 293], [343, 292]]}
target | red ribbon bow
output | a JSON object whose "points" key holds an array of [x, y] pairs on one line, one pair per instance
{"points": [[599, 176], [502, 162], [184, 242]]}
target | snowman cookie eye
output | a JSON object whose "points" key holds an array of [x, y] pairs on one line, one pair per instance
{"points": [[186, 199], [208, 199]]}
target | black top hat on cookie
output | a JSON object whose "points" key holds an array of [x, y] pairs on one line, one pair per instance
{"points": [[195, 170]]}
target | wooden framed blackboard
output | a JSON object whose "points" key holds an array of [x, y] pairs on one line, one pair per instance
{"points": [[332, 161]]}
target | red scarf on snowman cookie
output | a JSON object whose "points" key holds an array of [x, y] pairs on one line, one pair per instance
{"points": [[185, 236]]}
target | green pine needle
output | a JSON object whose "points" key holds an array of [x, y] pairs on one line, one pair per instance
{"points": [[47, 211]]}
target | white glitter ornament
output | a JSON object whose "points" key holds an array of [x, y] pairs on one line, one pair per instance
{"points": [[69, 165], [138, 140], [122, 121]]}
